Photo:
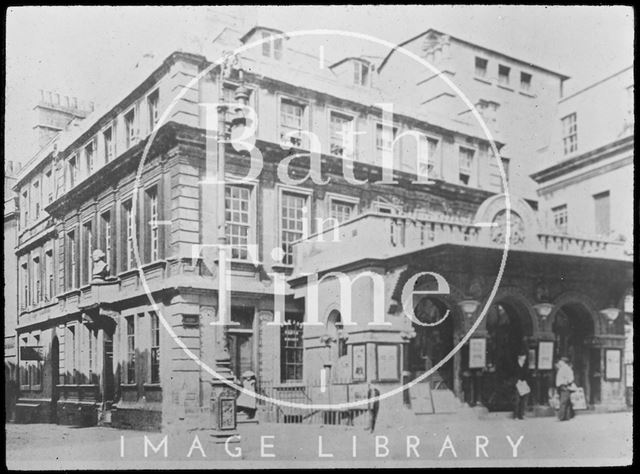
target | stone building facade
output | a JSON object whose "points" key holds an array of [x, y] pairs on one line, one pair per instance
{"points": [[131, 180]]}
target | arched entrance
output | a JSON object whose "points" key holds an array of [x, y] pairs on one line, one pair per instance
{"points": [[432, 343], [508, 326], [572, 327]]}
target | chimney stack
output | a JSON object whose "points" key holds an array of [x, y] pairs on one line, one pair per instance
{"points": [[55, 111]]}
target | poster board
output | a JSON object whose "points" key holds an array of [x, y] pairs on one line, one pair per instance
{"points": [[532, 359], [359, 363], [545, 355], [613, 364], [421, 402], [578, 400], [477, 353], [388, 362]]}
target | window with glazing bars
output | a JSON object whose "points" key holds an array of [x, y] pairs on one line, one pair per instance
{"points": [[152, 196], [291, 349], [131, 350], [570, 133], [291, 116], [237, 211], [155, 348], [129, 230], [560, 217], [292, 218], [340, 134], [341, 211]]}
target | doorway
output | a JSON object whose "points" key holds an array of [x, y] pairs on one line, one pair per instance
{"points": [[572, 327], [240, 340], [108, 394], [432, 343], [507, 328], [55, 371]]}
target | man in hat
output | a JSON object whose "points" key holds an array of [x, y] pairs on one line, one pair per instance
{"points": [[564, 379], [374, 405], [522, 386]]}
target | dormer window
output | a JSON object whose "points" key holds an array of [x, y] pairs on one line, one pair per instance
{"points": [[353, 70], [268, 40], [272, 45], [361, 73]]}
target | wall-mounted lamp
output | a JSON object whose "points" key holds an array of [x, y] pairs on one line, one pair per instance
{"points": [[469, 307], [543, 309], [611, 314]]}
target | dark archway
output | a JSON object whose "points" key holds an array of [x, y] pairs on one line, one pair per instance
{"points": [[432, 343], [508, 327], [335, 329], [572, 327]]}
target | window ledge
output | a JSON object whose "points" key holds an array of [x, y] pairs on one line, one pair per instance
{"points": [[34, 308], [128, 273], [482, 79], [128, 385], [507, 88], [282, 267], [153, 264], [291, 384], [528, 94], [152, 386], [69, 293]]}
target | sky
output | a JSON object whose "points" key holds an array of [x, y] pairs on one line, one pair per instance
{"points": [[84, 51]]}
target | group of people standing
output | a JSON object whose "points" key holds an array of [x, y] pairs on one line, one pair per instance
{"points": [[564, 383]]}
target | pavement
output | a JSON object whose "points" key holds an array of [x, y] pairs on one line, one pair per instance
{"points": [[424, 441]]}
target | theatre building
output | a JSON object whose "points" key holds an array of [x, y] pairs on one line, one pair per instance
{"points": [[130, 178]]}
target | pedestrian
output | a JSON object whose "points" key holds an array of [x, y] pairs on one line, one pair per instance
{"points": [[247, 403], [522, 386], [564, 381], [374, 405]]}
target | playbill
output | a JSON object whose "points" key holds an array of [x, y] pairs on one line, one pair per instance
{"points": [[320, 236]]}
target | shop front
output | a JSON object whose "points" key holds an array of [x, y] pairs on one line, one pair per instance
{"points": [[547, 302]]}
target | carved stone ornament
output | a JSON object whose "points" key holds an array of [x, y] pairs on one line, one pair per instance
{"points": [[499, 231], [265, 316]]}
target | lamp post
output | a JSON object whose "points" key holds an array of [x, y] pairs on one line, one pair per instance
{"points": [[611, 314], [469, 307], [223, 396], [543, 309]]}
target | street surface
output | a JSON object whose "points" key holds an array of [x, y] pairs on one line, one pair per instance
{"points": [[588, 439]]}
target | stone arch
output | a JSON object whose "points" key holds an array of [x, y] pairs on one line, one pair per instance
{"points": [[573, 297], [523, 305], [330, 311], [492, 206], [450, 300]]}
